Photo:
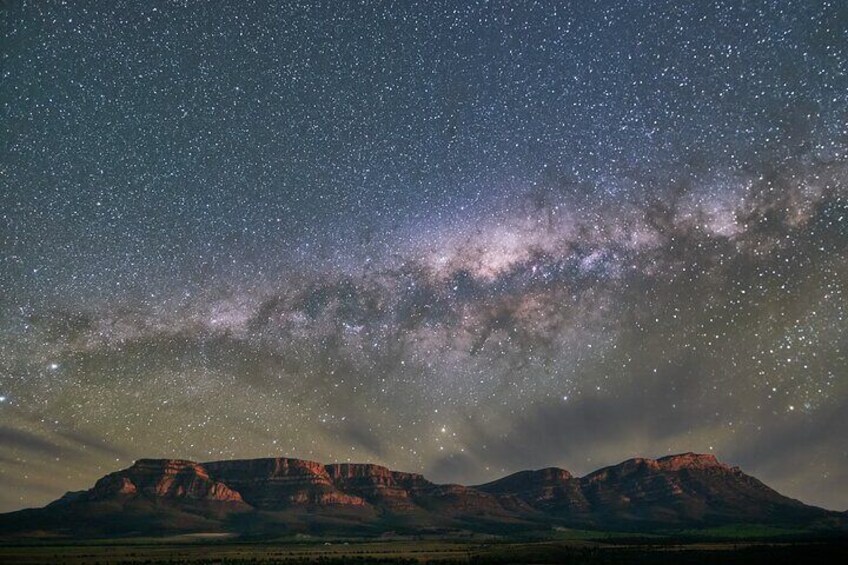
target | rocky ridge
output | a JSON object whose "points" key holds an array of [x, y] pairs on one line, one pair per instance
{"points": [[284, 494]]}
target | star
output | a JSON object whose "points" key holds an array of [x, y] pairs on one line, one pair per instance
{"points": [[451, 238]]}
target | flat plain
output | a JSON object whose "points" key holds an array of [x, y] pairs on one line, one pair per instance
{"points": [[576, 551]]}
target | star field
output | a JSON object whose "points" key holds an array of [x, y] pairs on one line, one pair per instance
{"points": [[461, 239]]}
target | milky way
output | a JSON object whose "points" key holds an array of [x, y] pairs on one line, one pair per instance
{"points": [[458, 239]]}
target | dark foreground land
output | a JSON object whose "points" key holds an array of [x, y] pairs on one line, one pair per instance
{"points": [[577, 552]]}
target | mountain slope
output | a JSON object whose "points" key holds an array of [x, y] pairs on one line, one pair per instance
{"points": [[277, 496], [678, 490]]}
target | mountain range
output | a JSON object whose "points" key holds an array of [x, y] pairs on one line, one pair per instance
{"points": [[283, 496]]}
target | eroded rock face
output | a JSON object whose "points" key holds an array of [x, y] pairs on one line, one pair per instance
{"points": [[684, 489], [282, 482], [526, 481], [690, 461], [164, 478], [380, 486], [540, 490]]}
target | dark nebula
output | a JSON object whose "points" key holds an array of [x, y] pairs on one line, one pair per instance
{"points": [[461, 239]]}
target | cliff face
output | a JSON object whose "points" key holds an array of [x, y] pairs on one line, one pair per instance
{"points": [[543, 490], [279, 483], [267, 484], [282, 494], [163, 478], [688, 488], [379, 485], [270, 484], [684, 488]]}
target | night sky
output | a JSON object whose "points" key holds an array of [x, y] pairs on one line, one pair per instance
{"points": [[461, 239]]}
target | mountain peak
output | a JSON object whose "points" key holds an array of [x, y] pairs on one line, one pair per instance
{"points": [[690, 460], [163, 478], [669, 463], [548, 476], [180, 496]]}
